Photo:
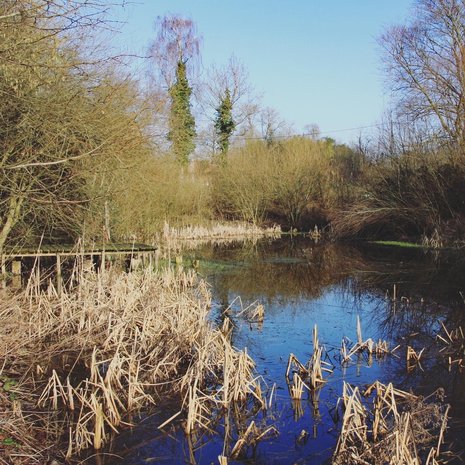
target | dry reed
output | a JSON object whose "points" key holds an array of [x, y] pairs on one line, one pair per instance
{"points": [[453, 342], [348, 350], [413, 358], [254, 312], [121, 342], [399, 429], [176, 240], [251, 436], [309, 376], [316, 365], [218, 231]]}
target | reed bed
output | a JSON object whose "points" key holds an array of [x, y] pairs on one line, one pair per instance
{"points": [[453, 341], [310, 375], [118, 343], [398, 429], [175, 240], [348, 350], [218, 231]]}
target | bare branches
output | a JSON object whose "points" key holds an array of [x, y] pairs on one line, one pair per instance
{"points": [[177, 41], [425, 61], [55, 162], [66, 120]]}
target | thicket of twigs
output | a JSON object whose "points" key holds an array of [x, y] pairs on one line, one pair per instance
{"points": [[414, 195]]}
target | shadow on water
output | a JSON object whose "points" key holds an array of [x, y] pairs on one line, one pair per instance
{"points": [[401, 295]]}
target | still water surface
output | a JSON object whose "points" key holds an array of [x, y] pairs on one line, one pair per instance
{"points": [[302, 284]]}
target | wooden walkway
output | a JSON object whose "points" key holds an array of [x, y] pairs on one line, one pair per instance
{"points": [[12, 258]]}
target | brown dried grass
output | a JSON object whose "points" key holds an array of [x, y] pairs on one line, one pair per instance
{"points": [[399, 429], [379, 349], [453, 345], [118, 343], [189, 237]]}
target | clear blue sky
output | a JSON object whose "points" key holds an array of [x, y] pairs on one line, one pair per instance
{"points": [[314, 61]]}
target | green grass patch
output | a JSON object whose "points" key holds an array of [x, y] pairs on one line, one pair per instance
{"points": [[410, 245]]}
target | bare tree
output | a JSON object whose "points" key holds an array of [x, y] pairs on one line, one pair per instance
{"points": [[216, 83], [272, 126], [177, 41], [59, 125], [232, 77], [312, 130], [425, 60]]}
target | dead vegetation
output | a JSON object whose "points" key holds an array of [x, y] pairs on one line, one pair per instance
{"points": [[413, 358], [115, 344], [453, 345], [253, 313], [398, 429], [122, 342], [379, 349], [309, 376], [176, 240], [251, 436]]}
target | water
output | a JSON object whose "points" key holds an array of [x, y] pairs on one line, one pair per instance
{"points": [[302, 284]]}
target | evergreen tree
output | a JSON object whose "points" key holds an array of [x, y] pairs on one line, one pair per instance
{"points": [[181, 121], [224, 123]]}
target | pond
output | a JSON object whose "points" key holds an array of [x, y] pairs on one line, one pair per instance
{"points": [[399, 295]]}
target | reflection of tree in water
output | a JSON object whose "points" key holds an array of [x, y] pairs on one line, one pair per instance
{"points": [[290, 268], [280, 270], [431, 275]]}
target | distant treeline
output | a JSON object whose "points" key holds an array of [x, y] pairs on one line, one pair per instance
{"points": [[81, 151]]}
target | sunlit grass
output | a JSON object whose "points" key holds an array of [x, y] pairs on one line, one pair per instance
{"points": [[410, 245]]}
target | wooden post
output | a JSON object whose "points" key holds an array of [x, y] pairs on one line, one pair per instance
{"points": [[102, 261], [37, 270], [59, 277], [16, 272]]}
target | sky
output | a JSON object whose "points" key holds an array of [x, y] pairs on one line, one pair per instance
{"points": [[313, 61]]}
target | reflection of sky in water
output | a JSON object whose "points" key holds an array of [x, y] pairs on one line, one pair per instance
{"points": [[287, 328], [321, 292]]}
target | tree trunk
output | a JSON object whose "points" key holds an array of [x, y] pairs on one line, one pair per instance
{"points": [[10, 219]]}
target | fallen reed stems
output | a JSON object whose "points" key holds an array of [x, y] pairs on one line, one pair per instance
{"points": [[253, 313], [251, 436], [398, 429], [453, 345], [118, 343], [379, 349]]}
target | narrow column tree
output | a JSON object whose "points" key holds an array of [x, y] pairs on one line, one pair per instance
{"points": [[224, 124], [181, 122]]}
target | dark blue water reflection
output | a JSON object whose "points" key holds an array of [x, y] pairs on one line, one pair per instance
{"points": [[302, 284]]}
